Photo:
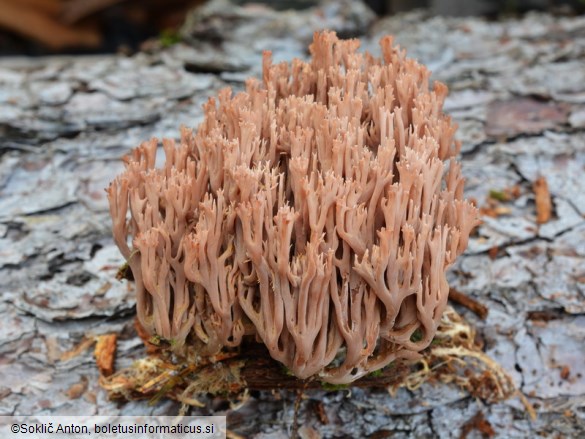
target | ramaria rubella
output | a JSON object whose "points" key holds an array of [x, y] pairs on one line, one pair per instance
{"points": [[318, 210]]}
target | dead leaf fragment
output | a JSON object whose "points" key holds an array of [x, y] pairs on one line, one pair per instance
{"points": [[478, 423], [321, 412], [565, 372], [91, 397], [493, 252], [147, 339], [494, 206], [494, 212], [506, 194], [307, 432], [77, 350], [105, 353], [77, 389], [543, 200], [53, 351]]}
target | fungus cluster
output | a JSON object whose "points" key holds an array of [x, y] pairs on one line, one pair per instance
{"points": [[316, 211]]}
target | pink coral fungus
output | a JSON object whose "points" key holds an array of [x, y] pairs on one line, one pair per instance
{"points": [[317, 211]]}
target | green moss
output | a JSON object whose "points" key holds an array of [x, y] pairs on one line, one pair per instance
{"points": [[287, 371], [416, 336], [124, 272], [333, 387], [169, 37], [436, 342], [499, 195], [155, 340], [380, 372]]}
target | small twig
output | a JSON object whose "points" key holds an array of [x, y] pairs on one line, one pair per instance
{"points": [[469, 303], [295, 427], [527, 404]]}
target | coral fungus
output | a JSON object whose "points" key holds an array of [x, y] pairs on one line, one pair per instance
{"points": [[318, 211]]}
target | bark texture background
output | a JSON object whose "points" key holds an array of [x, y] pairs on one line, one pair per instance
{"points": [[518, 93]]}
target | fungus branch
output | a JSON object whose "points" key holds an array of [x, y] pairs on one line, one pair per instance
{"points": [[318, 211]]}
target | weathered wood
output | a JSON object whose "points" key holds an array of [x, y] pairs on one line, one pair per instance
{"points": [[66, 121], [261, 372]]}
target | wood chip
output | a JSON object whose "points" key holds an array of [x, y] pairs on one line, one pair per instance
{"points": [[105, 353], [543, 200]]}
